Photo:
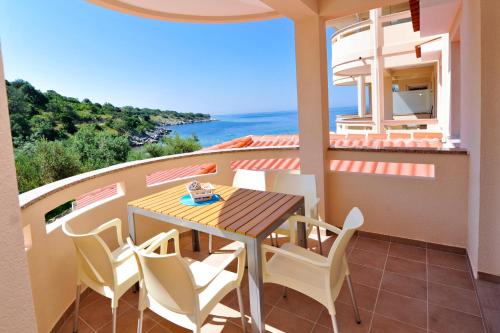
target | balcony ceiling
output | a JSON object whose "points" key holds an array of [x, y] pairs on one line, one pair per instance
{"points": [[205, 11]]}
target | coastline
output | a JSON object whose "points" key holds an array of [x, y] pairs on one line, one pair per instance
{"points": [[160, 131]]}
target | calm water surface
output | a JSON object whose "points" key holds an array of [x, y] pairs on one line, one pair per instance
{"points": [[228, 127]]}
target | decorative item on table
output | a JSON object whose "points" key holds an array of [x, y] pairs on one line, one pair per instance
{"points": [[200, 192]]}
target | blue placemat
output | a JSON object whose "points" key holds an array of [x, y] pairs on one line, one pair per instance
{"points": [[188, 201]]}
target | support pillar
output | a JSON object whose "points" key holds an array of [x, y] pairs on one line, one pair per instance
{"points": [[17, 313], [312, 99], [444, 88], [377, 70], [361, 96]]}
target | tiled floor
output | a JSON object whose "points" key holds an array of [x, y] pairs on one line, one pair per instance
{"points": [[400, 288]]}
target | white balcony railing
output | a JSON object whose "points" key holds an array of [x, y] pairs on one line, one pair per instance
{"points": [[352, 46]]}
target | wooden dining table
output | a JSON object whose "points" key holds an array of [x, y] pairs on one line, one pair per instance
{"points": [[243, 215]]}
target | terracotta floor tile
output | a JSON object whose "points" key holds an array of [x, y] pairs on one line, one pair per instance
{"points": [[408, 252], [447, 259], [444, 320], [272, 292], [158, 329], [451, 277], [367, 276], [365, 296], [489, 294], [370, 244], [367, 258], [90, 298], [68, 327], [492, 320], [235, 314], [454, 298], [131, 297], [287, 322], [382, 324], [346, 320], [99, 313], [404, 285], [127, 323], [321, 329], [408, 268], [300, 305], [402, 308]]}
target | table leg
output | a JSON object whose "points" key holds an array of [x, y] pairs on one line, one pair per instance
{"points": [[255, 285], [301, 230], [131, 224], [195, 239]]}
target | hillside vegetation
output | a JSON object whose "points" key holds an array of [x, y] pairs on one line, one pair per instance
{"points": [[57, 137]]}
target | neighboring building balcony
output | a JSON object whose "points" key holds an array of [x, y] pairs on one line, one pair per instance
{"points": [[424, 189], [352, 46]]}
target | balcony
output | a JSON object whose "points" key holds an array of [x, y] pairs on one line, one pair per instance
{"points": [[352, 47], [427, 224]]}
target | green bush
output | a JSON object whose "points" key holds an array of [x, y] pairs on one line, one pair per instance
{"points": [[138, 154], [179, 145], [44, 162]]}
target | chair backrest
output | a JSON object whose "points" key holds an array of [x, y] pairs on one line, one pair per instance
{"points": [[298, 184], [168, 280], [250, 179], [94, 256], [353, 221]]}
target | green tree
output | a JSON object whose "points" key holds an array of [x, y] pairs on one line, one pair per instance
{"points": [[20, 112], [99, 149], [43, 127]]}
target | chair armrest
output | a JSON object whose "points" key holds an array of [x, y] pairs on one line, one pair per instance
{"points": [[298, 218], [240, 253], [117, 223], [276, 250], [161, 241]]}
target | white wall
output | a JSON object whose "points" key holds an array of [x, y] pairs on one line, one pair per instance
{"points": [[470, 127], [16, 308]]}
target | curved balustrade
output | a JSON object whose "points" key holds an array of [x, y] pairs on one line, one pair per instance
{"points": [[352, 50], [402, 194]]}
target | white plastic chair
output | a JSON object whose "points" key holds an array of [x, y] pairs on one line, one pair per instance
{"points": [[182, 290], [318, 277], [110, 273], [247, 179], [299, 184]]}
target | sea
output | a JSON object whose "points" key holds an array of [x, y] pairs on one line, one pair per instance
{"points": [[230, 126]]}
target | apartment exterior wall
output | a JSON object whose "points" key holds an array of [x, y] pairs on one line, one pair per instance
{"points": [[470, 124], [489, 217], [16, 308]]}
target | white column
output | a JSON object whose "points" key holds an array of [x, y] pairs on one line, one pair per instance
{"points": [[312, 99], [455, 78], [16, 309], [377, 70], [444, 91], [361, 96]]}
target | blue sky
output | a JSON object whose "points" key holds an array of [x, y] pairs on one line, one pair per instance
{"points": [[84, 51]]}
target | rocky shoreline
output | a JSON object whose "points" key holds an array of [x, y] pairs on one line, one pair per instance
{"points": [[159, 132]]}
